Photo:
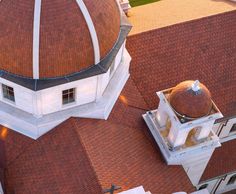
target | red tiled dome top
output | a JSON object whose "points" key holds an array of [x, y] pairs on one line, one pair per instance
{"points": [[65, 41], [191, 99]]}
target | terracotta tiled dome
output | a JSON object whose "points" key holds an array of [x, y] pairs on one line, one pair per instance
{"points": [[191, 99], [65, 40]]}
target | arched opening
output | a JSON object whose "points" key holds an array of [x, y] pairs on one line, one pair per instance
{"points": [[232, 180], [203, 186], [191, 138]]}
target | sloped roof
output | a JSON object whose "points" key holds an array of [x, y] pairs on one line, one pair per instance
{"points": [[222, 161], [55, 163], [120, 150], [81, 154], [123, 152], [202, 49], [65, 42]]}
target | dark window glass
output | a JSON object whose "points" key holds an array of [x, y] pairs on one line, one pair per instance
{"points": [[68, 96], [232, 180], [8, 93], [233, 129], [203, 186]]}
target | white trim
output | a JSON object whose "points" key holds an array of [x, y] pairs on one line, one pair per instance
{"points": [[92, 30], [36, 35], [119, 7], [34, 126]]}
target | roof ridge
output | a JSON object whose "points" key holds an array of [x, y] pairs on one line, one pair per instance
{"points": [[24, 150], [183, 23], [135, 85], [74, 122]]}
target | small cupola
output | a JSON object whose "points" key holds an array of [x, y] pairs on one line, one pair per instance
{"points": [[191, 99], [182, 126]]}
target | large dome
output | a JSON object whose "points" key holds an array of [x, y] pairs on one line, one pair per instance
{"points": [[56, 37], [191, 99]]}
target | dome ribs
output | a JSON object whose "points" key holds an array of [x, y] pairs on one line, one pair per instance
{"points": [[106, 19], [58, 40], [65, 42]]}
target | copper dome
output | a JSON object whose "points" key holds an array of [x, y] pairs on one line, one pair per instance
{"points": [[65, 40], [191, 99]]}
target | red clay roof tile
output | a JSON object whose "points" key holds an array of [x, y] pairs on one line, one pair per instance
{"points": [[55, 163], [65, 41], [202, 49], [120, 150], [222, 161]]}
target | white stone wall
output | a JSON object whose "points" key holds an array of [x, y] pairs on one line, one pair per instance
{"points": [[136, 190], [50, 100], [223, 129], [195, 165], [179, 131], [218, 185], [23, 96], [35, 113], [195, 158], [85, 92]]}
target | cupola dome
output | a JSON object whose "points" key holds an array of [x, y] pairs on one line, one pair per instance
{"points": [[55, 38], [191, 99]]}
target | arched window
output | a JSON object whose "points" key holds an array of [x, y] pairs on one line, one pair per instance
{"points": [[233, 129], [203, 187], [232, 180]]}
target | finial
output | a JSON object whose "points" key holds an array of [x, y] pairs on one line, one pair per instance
{"points": [[195, 86]]}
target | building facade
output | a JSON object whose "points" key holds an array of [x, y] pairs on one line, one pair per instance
{"points": [[74, 66]]}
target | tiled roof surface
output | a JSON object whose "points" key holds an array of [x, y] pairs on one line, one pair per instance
{"points": [[120, 150], [55, 163], [16, 31], [65, 42], [123, 152], [222, 161], [203, 49]]}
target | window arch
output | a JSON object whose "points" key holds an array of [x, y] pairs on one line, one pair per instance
{"points": [[233, 128], [232, 180], [203, 186]]}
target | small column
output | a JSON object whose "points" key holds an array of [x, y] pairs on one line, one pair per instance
{"points": [[177, 137], [161, 117], [203, 132]]}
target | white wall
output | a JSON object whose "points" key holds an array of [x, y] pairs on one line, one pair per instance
{"points": [[210, 184], [23, 96], [218, 185], [195, 165], [223, 187], [119, 56], [226, 127], [50, 100]]}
